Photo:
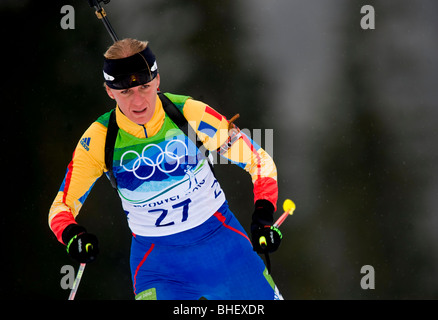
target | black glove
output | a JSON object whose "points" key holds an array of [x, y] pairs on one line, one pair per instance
{"points": [[261, 226], [81, 246]]}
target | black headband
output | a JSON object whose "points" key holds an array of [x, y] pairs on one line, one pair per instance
{"points": [[132, 71]]}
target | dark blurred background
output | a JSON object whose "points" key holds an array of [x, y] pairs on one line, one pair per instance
{"points": [[353, 113]]}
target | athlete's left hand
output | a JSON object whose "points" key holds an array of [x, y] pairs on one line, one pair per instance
{"points": [[261, 226]]}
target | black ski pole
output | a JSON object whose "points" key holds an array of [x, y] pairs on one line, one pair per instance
{"points": [[101, 15]]}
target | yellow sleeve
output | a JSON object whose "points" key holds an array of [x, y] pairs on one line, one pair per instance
{"points": [[86, 166], [213, 130], [210, 126], [244, 152]]}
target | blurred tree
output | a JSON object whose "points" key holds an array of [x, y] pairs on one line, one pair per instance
{"points": [[367, 208]]}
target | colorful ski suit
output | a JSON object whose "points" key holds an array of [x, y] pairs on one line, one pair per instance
{"points": [[165, 184]]}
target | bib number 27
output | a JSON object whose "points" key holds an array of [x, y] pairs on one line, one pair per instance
{"points": [[184, 205]]}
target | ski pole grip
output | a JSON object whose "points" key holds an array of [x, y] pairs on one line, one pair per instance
{"points": [[288, 207]]}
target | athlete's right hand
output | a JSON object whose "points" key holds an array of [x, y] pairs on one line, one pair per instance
{"points": [[81, 245]]}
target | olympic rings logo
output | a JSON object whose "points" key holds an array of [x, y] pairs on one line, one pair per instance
{"points": [[160, 158]]}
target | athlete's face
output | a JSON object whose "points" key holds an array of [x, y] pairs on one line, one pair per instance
{"points": [[137, 103]]}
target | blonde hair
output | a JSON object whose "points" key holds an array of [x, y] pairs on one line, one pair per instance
{"points": [[125, 48]]}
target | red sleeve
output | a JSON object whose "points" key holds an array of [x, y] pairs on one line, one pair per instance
{"points": [[60, 222]]}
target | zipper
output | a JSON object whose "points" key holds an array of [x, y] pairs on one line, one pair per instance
{"points": [[144, 129]]}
